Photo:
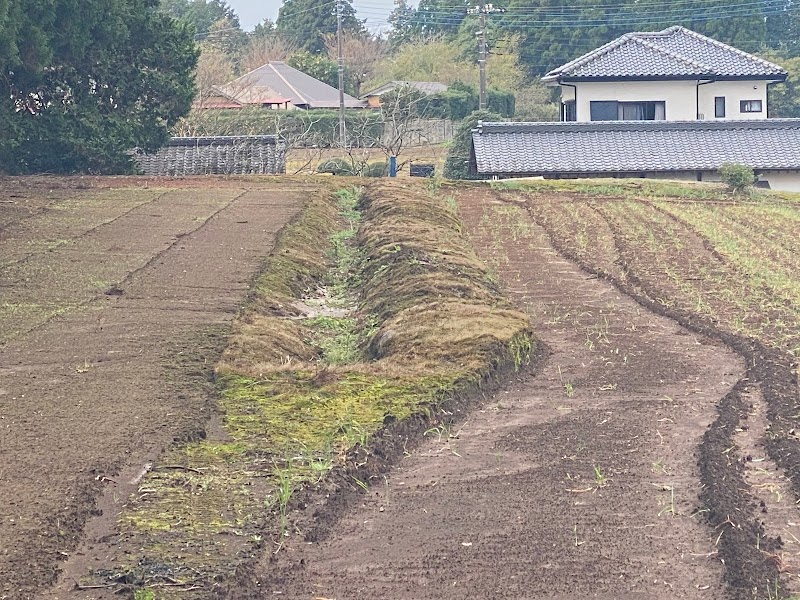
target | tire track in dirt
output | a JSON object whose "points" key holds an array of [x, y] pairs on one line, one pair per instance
{"points": [[94, 394], [754, 548], [578, 481]]}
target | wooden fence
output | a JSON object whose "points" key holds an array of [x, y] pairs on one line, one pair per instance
{"points": [[217, 155]]}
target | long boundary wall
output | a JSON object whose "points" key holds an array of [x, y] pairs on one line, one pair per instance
{"points": [[217, 155]]}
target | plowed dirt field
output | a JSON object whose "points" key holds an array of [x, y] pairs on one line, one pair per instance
{"points": [[114, 303], [651, 450], [635, 462]]}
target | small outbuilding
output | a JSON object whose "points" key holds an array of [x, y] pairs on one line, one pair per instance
{"points": [[373, 97]]}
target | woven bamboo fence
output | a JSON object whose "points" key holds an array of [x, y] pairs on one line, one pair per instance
{"points": [[217, 155]]}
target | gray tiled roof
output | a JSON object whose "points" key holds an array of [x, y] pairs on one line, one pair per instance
{"points": [[634, 146], [279, 79], [676, 52]]}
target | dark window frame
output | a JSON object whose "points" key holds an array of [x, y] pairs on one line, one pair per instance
{"points": [[719, 107], [569, 111], [748, 106], [605, 108]]}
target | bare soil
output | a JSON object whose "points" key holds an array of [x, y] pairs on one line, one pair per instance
{"points": [[647, 452], [580, 479], [116, 301]]}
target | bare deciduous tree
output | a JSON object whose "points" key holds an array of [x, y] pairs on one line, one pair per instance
{"points": [[362, 53], [214, 68], [266, 48], [402, 110]]}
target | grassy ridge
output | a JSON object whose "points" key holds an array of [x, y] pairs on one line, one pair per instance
{"points": [[371, 309]]}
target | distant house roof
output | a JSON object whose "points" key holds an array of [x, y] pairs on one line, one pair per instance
{"points": [[227, 97], [278, 82], [674, 53], [633, 146], [427, 87]]}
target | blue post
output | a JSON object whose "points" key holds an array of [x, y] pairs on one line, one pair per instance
{"points": [[392, 166]]}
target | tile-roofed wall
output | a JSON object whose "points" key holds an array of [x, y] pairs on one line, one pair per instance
{"points": [[635, 146]]}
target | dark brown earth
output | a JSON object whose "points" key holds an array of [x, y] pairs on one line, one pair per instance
{"points": [[578, 480], [114, 305]]}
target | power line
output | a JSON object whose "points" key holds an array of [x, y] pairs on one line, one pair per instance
{"points": [[639, 20], [664, 4]]}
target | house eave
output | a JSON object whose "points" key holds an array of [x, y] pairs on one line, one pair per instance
{"points": [[699, 77], [622, 174]]}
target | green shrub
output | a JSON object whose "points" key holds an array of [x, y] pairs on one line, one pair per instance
{"points": [[335, 166], [501, 102], [375, 169], [456, 166], [739, 178]]}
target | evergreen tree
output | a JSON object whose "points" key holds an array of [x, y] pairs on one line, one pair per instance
{"points": [[456, 165], [307, 21], [783, 27], [401, 20], [201, 14], [86, 81]]}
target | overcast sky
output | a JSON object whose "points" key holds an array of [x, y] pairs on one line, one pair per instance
{"points": [[252, 12]]}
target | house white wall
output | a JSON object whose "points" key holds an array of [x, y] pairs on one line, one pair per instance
{"points": [[733, 92], [683, 99], [784, 181]]}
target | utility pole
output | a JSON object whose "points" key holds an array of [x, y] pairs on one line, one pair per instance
{"points": [[340, 63], [483, 10]]}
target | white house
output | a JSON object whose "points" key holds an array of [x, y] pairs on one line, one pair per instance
{"points": [[672, 75]]}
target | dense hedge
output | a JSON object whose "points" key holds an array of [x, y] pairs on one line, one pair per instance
{"points": [[298, 127], [456, 165], [364, 127], [461, 99]]}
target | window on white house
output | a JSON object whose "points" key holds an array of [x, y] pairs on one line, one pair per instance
{"points": [[719, 107], [611, 110], [569, 111], [750, 106]]}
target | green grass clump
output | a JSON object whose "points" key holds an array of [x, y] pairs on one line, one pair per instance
{"points": [[617, 188], [338, 338]]}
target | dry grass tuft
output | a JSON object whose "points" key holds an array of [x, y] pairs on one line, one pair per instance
{"points": [[435, 302]]}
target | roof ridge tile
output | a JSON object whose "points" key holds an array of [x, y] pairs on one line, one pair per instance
{"points": [[675, 55], [725, 46], [689, 47]]}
